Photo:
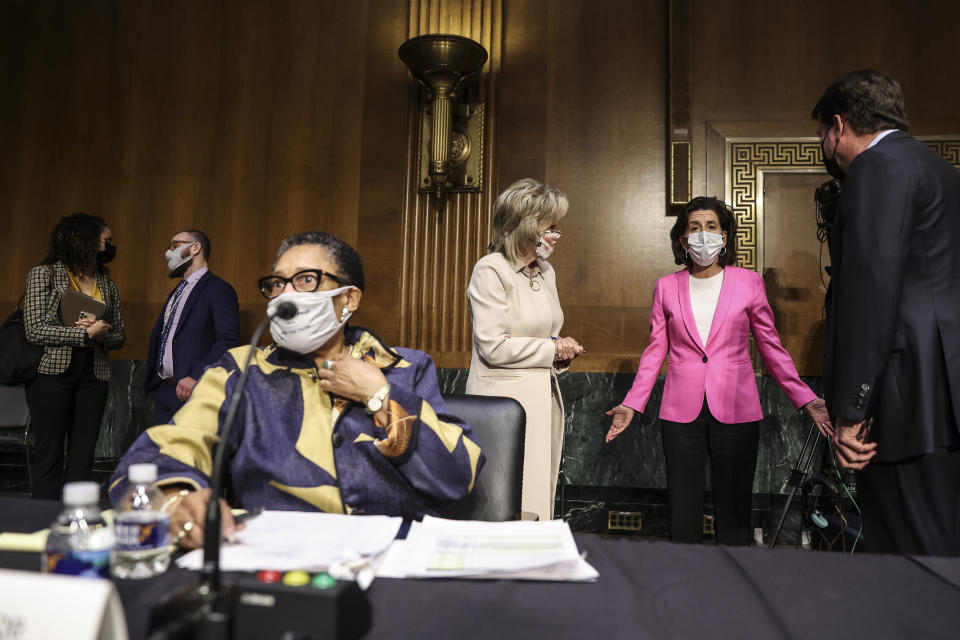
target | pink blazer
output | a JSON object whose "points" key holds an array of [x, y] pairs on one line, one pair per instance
{"points": [[721, 370]]}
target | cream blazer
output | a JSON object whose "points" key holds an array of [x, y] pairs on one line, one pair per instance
{"points": [[513, 356]]}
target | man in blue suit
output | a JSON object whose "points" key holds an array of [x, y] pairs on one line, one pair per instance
{"points": [[200, 321]]}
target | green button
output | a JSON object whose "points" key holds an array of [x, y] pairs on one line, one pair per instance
{"points": [[296, 578], [323, 581]]}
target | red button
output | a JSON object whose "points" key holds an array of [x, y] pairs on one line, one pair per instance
{"points": [[269, 576]]}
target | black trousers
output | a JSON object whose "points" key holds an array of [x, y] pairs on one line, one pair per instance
{"points": [[912, 506], [165, 402], [65, 408], [732, 449]]}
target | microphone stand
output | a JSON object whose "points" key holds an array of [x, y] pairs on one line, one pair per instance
{"points": [[210, 576], [796, 478], [203, 610]]}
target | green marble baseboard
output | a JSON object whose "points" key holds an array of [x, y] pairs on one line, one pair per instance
{"points": [[635, 459]]}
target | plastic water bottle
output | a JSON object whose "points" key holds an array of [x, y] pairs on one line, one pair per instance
{"points": [[141, 527], [80, 541]]}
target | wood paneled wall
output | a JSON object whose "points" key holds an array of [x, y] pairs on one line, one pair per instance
{"points": [[254, 119], [443, 237], [598, 133], [250, 120], [759, 67]]}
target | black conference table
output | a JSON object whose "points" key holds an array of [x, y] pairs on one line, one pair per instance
{"points": [[645, 590]]}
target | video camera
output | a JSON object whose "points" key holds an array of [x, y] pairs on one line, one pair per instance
{"points": [[827, 198]]}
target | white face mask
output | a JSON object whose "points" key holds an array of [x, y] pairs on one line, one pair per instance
{"points": [[704, 247], [547, 243], [175, 259], [313, 325]]}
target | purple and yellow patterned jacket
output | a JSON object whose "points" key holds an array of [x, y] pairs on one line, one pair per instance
{"points": [[294, 446]]}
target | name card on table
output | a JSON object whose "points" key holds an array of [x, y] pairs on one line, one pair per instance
{"points": [[42, 605]]}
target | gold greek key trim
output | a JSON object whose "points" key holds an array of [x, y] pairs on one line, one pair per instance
{"points": [[748, 160]]}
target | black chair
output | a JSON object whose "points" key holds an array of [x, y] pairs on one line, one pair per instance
{"points": [[15, 432], [500, 425]]}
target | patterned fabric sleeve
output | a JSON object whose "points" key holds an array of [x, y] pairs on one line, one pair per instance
{"points": [[183, 450], [435, 451], [40, 318]]}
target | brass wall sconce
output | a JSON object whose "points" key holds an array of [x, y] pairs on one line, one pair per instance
{"points": [[450, 150]]}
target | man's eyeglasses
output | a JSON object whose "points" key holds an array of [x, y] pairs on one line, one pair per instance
{"points": [[305, 281]]}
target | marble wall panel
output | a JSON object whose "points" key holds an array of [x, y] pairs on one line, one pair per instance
{"points": [[634, 460]]}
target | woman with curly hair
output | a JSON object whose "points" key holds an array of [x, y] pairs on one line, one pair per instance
{"points": [[68, 396]]}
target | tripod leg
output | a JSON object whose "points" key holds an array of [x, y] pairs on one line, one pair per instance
{"points": [[796, 478]]}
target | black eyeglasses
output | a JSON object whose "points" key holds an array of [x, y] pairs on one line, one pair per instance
{"points": [[304, 281]]}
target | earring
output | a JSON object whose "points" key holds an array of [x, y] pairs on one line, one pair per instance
{"points": [[723, 250], [344, 314]]}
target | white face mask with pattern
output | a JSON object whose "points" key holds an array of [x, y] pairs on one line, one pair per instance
{"points": [[314, 323], [546, 243], [704, 247]]}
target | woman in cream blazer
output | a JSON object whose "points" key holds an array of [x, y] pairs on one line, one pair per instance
{"points": [[516, 315]]}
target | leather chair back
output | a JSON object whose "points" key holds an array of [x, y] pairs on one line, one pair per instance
{"points": [[500, 425], [15, 432]]}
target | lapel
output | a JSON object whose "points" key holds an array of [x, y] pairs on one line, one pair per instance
{"points": [[686, 308], [158, 325], [727, 290], [102, 285], [59, 284], [61, 280], [191, 300]]}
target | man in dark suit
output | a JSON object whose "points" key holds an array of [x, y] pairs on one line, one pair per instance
{"points": [[199, 322], [892, 350]]}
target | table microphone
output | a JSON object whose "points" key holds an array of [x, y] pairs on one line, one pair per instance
{"points": [[210, 576], [208, 610]]}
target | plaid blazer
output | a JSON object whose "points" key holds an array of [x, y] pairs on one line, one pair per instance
{"points": [[41, 319]]}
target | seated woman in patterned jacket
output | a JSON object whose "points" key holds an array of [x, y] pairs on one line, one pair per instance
{"points": [[331, 418]]}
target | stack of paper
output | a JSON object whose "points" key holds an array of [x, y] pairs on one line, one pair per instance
{"points": [[438, 548], [289, 540], [359, 547]]}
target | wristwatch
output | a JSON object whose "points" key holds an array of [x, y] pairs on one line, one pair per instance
{"points": [[375, 402]]}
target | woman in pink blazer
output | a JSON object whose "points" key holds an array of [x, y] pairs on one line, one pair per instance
{"points": [[702, 317]]}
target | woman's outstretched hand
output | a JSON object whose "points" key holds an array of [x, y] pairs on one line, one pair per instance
{"points": [[817, 411], [622, 416]]}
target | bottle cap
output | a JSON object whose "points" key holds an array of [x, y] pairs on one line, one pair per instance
{"points": [[78, 494], [145, 472]]}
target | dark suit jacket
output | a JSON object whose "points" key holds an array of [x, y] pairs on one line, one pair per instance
{"points": [[892, 349], [209, 325]]}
